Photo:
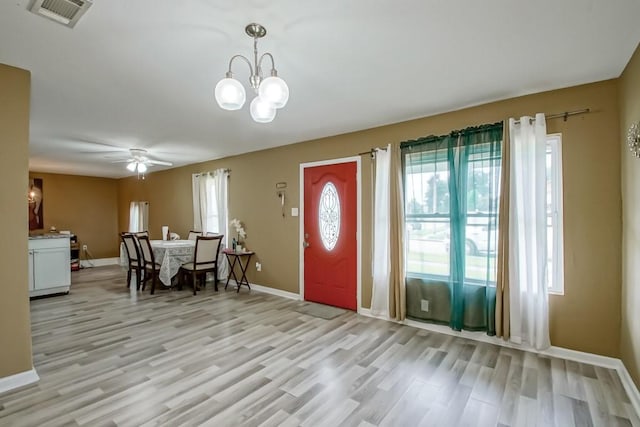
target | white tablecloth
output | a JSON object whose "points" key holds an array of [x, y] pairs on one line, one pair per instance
{"points": [[171, 254]]}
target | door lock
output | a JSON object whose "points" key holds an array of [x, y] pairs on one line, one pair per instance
{"points": [[305, 244]]}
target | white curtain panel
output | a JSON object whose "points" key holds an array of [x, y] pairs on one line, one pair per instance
{"points": [[210, 209], [207, 203], [195, 188], [528, 233], [220, 184], [381, 231], [138, 217]]}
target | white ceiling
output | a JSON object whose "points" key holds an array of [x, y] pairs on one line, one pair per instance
{"points": [[141, 73]]}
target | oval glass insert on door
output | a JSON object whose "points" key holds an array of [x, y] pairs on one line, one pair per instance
{"points": [[329, 216]]}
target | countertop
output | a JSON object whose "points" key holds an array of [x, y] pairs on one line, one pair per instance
{"points": [[49, 236]]}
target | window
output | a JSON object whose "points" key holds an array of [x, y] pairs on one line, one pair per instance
{"points": [[210, 201], [428, 216], [329, 216], [138, 217], [210, 221], [555, 247], [428, 219]]}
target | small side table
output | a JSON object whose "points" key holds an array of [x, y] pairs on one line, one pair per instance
{"points": [[242, 259]]}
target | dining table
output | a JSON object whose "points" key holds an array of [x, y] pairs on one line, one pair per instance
{"points": [[171, 254]]}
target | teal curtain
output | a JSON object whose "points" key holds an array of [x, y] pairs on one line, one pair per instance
{"points": [[462, 213]]}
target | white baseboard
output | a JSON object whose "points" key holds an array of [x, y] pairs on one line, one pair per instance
{"points": [[559, 352], [367, 312], [629, 386], [100, 262], [15, 381], [277, 292], [581, 356]]}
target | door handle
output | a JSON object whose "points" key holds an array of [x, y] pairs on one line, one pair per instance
{"points": [[305, 244]]}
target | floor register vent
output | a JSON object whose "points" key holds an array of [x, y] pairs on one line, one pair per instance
{"points": [[65, 12]]}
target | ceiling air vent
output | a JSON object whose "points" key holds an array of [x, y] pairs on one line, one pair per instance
{"points": [[65, 12]]}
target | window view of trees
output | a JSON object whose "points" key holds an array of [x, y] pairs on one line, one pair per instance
{"points": [[428, 220]]}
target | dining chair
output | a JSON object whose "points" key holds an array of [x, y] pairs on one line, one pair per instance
{"points": [[193, 234], [151, 267], [133, 255], [205, 260]]}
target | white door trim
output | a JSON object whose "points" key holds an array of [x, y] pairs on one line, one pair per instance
{"points": [[303, 166]]}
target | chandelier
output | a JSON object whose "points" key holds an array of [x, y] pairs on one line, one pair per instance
{"points": [[272, 92]]}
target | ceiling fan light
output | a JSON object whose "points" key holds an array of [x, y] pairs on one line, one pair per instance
{"points": [[274, 90], [230, 94], [261, 110], [142, 168], [132, 166]]}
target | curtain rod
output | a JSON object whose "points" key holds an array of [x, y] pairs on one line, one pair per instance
{"points": [[372, 151], [564, 115], [204, 173]]}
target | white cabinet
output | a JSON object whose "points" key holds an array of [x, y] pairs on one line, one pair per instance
{"points": [[49, 271]]}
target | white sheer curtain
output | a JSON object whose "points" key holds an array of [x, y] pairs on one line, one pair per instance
{"points": [[208, 204], [220, 185], [528, 232], [195, 191], [381, 235], [138, 217], [210, 207]]}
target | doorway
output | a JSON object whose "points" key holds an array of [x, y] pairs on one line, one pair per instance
{"points": [[330, 226]]}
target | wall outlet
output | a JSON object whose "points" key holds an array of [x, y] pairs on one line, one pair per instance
{"points": [[84, 248], [424, 305], [258, 266]]}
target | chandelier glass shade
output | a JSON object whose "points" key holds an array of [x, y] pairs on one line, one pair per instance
{"points": [[272, 92], [138, 167], [262, 111], [230, 94]]}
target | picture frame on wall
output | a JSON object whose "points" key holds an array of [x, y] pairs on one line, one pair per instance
{"points": [[36, 217]]}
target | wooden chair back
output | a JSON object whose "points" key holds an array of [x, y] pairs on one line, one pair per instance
{"points": [[141, 233], [131, 246], [147, 251], [193, 234], [207, 250]]}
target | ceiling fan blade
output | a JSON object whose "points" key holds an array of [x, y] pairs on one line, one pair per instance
{"points": [[106, 153], [123, 161], [158, 162]]}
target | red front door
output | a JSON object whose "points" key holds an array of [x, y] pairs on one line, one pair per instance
{"points": [[330, 226]]}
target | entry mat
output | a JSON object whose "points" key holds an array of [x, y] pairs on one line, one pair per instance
{"points": [[320, 310]]}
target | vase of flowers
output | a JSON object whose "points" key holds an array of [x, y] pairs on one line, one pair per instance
{"points": [[240, 233]]}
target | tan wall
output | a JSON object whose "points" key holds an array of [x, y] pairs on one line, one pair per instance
{"points": [[630, 113], [15, 325], [586, 318], [87, 206]]}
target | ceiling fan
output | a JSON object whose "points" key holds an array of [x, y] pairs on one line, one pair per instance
{"points": [[139, 161]]}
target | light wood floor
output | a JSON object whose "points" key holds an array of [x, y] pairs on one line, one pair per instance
{"points": [[107, 356]]}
